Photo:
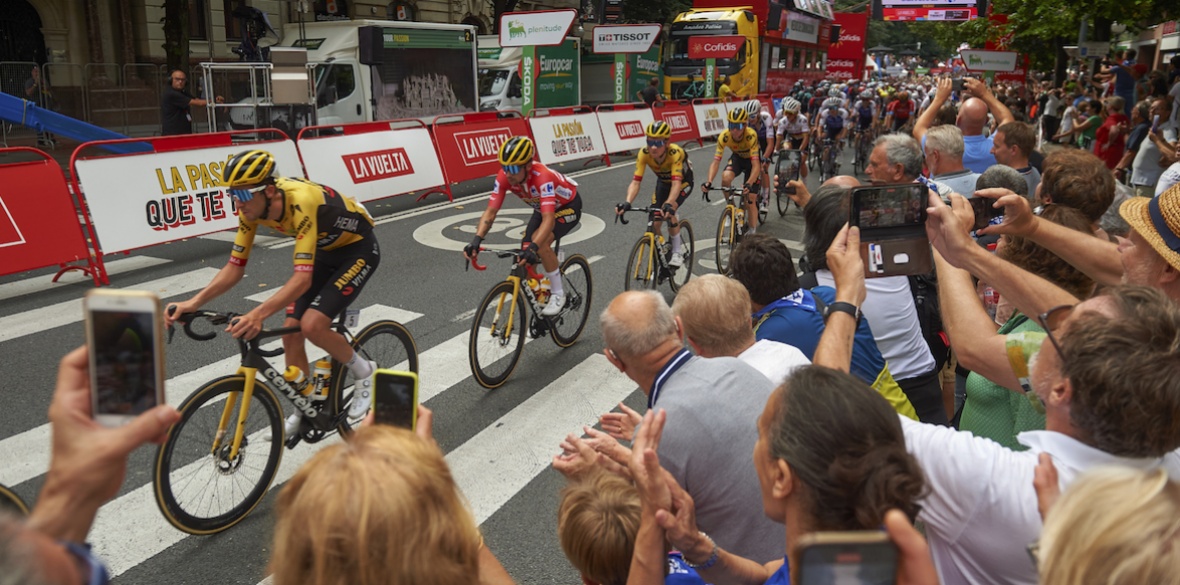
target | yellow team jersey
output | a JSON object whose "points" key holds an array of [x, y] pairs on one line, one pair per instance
{"points": [[317, 217], [724, 92], [745, 146], [672, 169]]}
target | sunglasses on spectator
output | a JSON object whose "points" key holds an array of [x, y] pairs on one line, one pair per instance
{"points": [[245, 195], [1052, 320], [92, 569], [656, 143], [512, 169]]}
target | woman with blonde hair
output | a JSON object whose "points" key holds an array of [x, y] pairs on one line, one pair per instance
{"points": [[380, 508], [1113, 526]]}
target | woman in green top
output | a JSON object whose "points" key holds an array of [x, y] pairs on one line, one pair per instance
{"points": [[1086, 130], [996, 407]]}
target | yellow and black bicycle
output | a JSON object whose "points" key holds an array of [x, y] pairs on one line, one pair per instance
{"points": [[497, 332], [650, 262], [219, 460], [732, 225]]}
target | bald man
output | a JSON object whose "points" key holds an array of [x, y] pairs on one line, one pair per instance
{"points": [[712, 405], [972, 120]]}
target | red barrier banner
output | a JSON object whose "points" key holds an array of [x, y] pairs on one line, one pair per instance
{"points": [[624, 126], [468, 144], [846, 56], [681, 117], [371, 160], [39, 226]]}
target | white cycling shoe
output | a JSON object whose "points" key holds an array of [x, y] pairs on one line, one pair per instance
{"points": [[677, 260], [362, 395], [554, 306], [292, 425]]}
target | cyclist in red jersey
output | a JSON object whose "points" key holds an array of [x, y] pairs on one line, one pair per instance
{"points": [[899, 111], [556, 210]]}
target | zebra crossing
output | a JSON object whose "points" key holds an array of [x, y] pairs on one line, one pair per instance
{"points": [[491, 467]]}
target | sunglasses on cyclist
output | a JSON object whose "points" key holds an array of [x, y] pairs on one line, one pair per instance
{"points": [[92, 569], [245, 195], [512, 169], [656, 143], [737, 126]]}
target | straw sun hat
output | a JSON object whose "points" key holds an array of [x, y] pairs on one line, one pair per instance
{"points": [[1157, 219]]}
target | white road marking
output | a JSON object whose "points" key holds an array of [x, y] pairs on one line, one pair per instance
{"points": [[45, 282], [65, 313], [434, 233]]}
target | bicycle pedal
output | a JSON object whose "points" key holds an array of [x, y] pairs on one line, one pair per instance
{"points": [[293, 441]]}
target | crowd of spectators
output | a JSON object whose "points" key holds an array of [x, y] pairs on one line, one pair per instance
{"points": [[790, 398]]}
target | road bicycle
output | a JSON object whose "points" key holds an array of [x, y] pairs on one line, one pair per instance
{"points": [[864, 147], [12, 503], [648, 267], [787, 169], [497, 332], [731, 226], [220, 459], [829, 166]]}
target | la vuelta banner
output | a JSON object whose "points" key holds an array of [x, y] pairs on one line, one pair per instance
{"points": [[846, 55]]}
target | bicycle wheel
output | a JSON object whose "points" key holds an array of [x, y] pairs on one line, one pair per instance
{"points": [[725, 235], [389, 344], [12, 503], [678, 276], [201, 490], [567, 326], [497, 336], [641, 273], [763, 210]]}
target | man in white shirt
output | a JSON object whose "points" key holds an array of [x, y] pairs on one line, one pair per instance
{"points": [[1050, 120], [1146, 169], [715, 313], [1107, 370]]}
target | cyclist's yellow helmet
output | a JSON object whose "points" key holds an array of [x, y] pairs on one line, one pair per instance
{"points": [[659, 129], [248, 168], [738, 116], [517, 150]]}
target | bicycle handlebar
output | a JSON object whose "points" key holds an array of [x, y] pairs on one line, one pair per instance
{"points": [[648, 209], [499, 254], [218, 318], [730, 190]]}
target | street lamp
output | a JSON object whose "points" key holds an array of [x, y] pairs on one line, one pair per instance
{"points": [[1118, 28]]}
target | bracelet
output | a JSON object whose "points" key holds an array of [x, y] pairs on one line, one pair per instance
{"points": [[712, 557]]}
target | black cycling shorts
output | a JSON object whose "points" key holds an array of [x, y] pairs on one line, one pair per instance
{"points": [[664, 188], [763, 145], [337, 278], [797, 143], [566, 219], [740, 166]]}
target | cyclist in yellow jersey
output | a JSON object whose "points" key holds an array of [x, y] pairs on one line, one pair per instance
{"points": [[673, 175], [335, 255], [742, 141]]}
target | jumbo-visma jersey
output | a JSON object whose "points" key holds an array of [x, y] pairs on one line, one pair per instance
{"points": [[543, 189], [745, 146], [671, 169], [317, 217]]}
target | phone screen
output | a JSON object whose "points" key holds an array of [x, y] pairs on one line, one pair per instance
{"points": [[889, 206], [984, 212], [123, 343], [395, 399], [849, 564], [1155, 123]]}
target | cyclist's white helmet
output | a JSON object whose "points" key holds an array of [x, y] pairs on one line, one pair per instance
{"points": [[834, 93], [753, 108], [790, 106], [866, 95]]}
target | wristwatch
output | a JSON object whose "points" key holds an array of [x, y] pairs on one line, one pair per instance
{"points": [[841, 307]]}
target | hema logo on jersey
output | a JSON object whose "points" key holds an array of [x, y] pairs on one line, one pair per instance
{"points": [[377, 165], [629, 129], [481, 146]]}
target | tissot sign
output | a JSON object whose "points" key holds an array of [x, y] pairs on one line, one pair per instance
{"points": [[548, 27], [714, 47], [634, 38]]}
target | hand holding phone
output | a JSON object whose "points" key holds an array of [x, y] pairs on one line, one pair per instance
{"points": [[984, 212], [395, 398], [867, 557], [1155, 123], [124, 331]]}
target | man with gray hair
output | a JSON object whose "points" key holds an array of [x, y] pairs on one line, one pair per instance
{"points": [[944, 159], [1001, 176], [896, 158], [712, 404], [972, 120]]}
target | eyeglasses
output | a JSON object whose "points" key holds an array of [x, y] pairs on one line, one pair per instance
{"points": [[179, 79], [512, 169], [245, 195], [1052, 320], [656, 143], [91, 567], [736, 126]]}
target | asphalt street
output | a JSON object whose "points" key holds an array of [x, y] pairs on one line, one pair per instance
{"points": [[498, 442]]}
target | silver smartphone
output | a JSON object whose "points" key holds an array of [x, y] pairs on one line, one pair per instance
{"points": [[124, 332]]}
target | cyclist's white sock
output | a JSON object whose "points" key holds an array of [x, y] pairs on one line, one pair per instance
{"points": [[676, 243], [359, 367], [555, 287]]}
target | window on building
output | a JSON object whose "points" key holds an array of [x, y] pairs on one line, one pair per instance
{"points": [[233, 25], [198, 20]]}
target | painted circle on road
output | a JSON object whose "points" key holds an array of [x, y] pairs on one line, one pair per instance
{"points": [[454, 232]]}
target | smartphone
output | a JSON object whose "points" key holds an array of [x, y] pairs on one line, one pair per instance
{"points": [[847, 558], [124, 331], [395, 398], [984, 212], [892, 221], [957, 84], [1155, 123]]}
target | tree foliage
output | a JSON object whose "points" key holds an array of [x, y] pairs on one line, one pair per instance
{"points": [[655, 11], [176, 48]]}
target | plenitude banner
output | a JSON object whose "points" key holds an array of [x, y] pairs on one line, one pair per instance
{"points": [[846, 55], [165, 196], [539, 28], [373, 165]]}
